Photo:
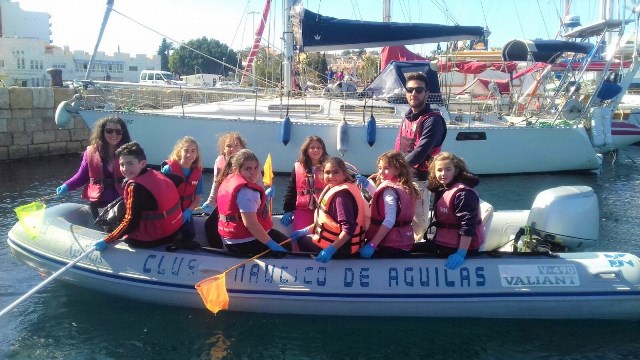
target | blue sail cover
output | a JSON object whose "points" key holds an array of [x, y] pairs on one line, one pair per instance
{"points": [[547, 51], [315, 32]]}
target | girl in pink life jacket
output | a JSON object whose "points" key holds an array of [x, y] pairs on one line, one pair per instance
{"points": [[228, 144], [99, 171], [459, 229], [184, 162], [305, 185], [245, 224], [390, 233]]}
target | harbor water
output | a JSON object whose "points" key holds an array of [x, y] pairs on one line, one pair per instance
{"points": [[62, 321]]}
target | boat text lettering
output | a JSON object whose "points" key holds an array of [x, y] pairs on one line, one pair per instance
{"points": [[166, 264]]}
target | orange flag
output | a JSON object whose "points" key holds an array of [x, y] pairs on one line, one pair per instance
{"points": [[213, 292]]}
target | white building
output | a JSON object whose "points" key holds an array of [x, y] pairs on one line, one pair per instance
{"points": [[26, 53]]}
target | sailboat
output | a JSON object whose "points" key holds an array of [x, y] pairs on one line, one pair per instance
{"points": [[565, 134]]}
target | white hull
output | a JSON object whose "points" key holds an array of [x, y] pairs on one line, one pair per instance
{"points": [[499, 150], [570, 286]]}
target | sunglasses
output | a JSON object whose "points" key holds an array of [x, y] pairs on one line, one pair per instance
{"points": [[418, 90], [111, 131]]}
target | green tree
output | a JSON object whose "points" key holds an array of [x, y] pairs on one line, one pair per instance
{"points": [[369, 69], [183, 60], [268, 67], [164, 51]]}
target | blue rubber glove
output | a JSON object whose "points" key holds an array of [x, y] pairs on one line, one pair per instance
{"points": [[186, 215], [299, 233], [270, 193], [456, 259], [362, 181], [62, 190], [366, 252], [207, 208], [166, 169], [274, 246], [101, 245], [286, 219], [325, 255]]}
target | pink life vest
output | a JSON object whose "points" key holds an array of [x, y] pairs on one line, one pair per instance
{"points": [[400, 236], [230, 225], [221, 161], [409, 137], [97, 181], [164, 221], [186, 189], [447, 226], [308, 187]]}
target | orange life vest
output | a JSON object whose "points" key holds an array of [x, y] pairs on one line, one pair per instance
{"points": [[400, 236], [186, 189], [97, 181], [230, 225], [326, 230], [308, 187], [167, 219]]}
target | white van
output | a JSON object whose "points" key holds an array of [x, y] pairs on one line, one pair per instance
{"points": [[158, 77]]}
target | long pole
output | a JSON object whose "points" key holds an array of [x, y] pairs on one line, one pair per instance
{"points": [[105, 19], [48, 280]]}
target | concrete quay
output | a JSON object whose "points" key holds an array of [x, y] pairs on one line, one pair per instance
{"points": [[28, 128]]}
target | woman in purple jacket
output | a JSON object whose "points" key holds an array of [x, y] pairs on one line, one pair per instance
{"points": [[99, 171]]}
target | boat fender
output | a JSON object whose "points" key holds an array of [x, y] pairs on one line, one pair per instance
{"points": [[371, 131], [597, 127], [285, 130], [343, 137], [63, 115]]}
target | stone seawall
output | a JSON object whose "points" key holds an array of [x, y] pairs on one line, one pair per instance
{"points": [[28, 128]]}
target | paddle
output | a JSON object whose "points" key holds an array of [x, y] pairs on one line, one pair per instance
{"points": [[48, 280], [213, 290]]}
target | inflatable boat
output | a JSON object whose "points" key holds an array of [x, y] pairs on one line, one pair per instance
{"points": [[536, 263]]}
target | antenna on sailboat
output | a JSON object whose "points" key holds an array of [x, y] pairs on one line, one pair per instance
{"points": [[105, 19]]}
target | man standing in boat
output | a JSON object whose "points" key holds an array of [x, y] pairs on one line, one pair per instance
{"points": [[421, 135]]}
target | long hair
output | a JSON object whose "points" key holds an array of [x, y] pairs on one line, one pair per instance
{"points": [[340, 164], [235, 162], [396, 159], [462, 174], [176, 154], [304, 158], [226, 137], [97, 136]]}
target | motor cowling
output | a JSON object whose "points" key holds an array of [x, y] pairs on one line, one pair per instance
{"points": [[566, 215]]}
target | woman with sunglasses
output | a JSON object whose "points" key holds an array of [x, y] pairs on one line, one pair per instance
{"points": [[421, 135], [99, 173]]}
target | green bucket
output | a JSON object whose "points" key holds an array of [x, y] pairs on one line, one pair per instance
{"points": [[31, 217]]}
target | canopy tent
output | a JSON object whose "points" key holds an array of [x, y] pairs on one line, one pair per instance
{"points": [[484, 86], [315, 32], [397, 53]]}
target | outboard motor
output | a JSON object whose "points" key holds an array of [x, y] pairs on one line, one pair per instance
{"points": [[564, 218]]}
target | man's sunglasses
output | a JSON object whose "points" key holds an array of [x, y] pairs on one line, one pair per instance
{"points": [[418, 90]]}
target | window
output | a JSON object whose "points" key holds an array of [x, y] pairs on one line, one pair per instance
{"points": [[470, 135], [133, 68], [1, 63]]}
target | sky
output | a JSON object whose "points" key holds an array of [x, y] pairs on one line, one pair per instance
{"points": [[76, 23]]}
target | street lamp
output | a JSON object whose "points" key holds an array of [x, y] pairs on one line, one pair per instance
{"points": [[195, 70], [253, 66]]}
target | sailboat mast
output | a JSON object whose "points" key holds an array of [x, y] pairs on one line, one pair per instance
{"points": [[288, 46], [386, 11], [107, 12]]}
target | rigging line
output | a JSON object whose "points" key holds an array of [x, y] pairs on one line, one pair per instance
{"points": [[355, 10], [484, 14], [518, 16], [182, 43], [543, 21]]}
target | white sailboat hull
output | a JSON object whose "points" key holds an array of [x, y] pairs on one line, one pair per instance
{"points": [[487, 149]]}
